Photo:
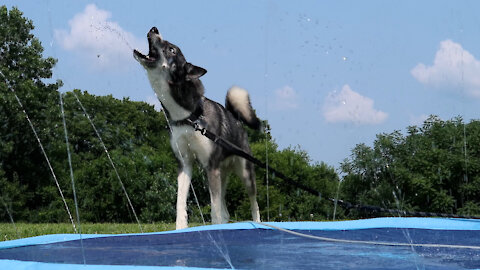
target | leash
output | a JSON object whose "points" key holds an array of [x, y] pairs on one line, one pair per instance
{"points": [[241, 153], [368, 208]]}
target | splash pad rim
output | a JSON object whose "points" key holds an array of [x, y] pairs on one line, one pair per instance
{"points": [[440, 224]]}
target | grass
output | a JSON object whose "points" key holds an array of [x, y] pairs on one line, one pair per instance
{"points": [[22, 230]]}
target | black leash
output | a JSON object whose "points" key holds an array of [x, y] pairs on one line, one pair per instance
{"points": [[241, 153], [369, 208]]}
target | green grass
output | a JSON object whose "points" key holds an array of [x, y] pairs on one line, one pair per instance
{"points": [[22, 230]]}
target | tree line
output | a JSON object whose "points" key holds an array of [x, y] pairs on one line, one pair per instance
{"points": [[434, 167]]}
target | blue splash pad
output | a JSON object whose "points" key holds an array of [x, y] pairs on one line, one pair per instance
{"points": [[254, 246]]}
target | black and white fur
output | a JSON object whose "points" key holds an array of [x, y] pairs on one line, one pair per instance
{"points": [[177, 86]]}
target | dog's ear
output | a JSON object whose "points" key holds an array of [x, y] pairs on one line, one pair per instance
{"points": [[193, 72]]}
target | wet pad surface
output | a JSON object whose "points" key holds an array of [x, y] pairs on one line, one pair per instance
{"points": [[265, 249]]}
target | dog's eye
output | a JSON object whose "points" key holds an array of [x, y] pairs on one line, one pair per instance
{"points": [[172, 50]]}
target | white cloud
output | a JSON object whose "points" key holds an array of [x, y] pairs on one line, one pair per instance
{"points": [[286, 98], [453, 68], [104, 43], [351, 107]]}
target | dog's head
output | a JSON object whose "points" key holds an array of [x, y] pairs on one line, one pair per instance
{"points": [[165, 58]]}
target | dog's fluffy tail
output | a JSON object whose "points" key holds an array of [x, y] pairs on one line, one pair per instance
{"points": [[238, 103]]}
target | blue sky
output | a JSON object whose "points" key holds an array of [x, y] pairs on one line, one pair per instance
{"points": [[327, 75]]}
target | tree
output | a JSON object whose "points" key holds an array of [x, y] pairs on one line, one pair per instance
{"points": [[136, 137], [432, 168], [22, 69]]}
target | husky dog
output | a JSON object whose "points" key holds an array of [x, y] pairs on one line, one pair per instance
{"points": [[177, 86]]}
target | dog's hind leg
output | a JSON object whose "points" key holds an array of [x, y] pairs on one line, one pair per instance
{"points": [[217, 189], [246, 172], [184, 179], [225, 214]]}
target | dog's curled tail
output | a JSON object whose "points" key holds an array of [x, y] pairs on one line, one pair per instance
{"points": [[238, 103]]}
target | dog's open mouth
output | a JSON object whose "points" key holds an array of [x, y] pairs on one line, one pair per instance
{"points": [[153, 54]]}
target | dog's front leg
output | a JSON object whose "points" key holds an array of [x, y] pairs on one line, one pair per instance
{"points": [[184, 179], [219, 210]]}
